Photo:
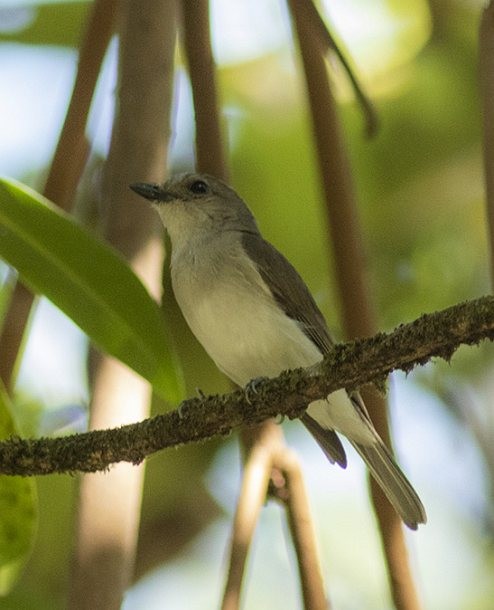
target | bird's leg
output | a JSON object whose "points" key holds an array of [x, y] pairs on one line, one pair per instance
{"points": [[252, 388]]}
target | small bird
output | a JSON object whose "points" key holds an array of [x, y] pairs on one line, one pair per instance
{"points": [[255, 317]]}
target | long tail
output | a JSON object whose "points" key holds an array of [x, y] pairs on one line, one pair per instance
{"points": [[393, 482], [381, 464]]}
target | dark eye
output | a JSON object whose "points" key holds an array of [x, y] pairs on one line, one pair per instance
{"points": [[198, 187]]}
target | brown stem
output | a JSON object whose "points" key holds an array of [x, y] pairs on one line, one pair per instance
{"points": [[269, 459], [302, 533], [109, 505], [255, 482], [328, 42], [66, 167], [12, 332], [335, 173], [346, 239], [197, 41], [486, 64], [73, 148]]}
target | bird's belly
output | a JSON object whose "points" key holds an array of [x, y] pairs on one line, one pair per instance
{"points": [[248, 336]]}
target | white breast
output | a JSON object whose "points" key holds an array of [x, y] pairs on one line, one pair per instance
{"points": [[233, 315]]}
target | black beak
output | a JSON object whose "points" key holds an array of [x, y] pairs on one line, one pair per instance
{"points": [[153, 192]]}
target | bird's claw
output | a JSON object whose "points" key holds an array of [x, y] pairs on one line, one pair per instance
{"points": [[200, 393], [252, 386]]}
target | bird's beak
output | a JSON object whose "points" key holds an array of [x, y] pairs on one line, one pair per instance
{"points": [[151, 191]]}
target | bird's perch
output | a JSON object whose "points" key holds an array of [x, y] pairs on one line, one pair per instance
{"points": [[349, 365]]}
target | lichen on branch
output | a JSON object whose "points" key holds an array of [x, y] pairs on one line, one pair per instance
{"points": [[348, 365]]}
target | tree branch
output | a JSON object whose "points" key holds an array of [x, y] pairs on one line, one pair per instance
{"points": [[326, 39], [210, 156], [253, 493], [302, 531], [349, 365], [486, 81], [106, 540]]}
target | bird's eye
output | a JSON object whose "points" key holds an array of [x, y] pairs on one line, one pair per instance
{"points": [[198, 187]]}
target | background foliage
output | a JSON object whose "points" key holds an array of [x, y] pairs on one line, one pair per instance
{"points": [[420, 190]]}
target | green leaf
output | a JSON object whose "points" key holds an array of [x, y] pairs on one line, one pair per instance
{"points": [[18, 511], [88, 281]]}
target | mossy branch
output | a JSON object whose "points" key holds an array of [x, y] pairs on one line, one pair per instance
{"points": [[349, 365]]}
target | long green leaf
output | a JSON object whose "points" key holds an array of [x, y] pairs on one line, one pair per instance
{"points": [[87, 280], [18, 511]]}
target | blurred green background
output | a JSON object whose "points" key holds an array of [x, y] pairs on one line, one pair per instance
{"points": [[420, 192]]}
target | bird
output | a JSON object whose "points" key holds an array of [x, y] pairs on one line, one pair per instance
{"points": [[255, 317]]}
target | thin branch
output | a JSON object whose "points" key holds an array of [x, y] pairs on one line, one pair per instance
{"points": [[73, 148], [300, 523], [402, 586], [328, 42], [272, 469], [12, 331], [349, 365], [359, 319], [339, 197], [253, 492], [197, 41], [486, 65]]}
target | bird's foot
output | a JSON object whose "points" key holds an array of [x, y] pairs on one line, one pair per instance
{"points": [[200, 393], [180, 409], [252, 387]]}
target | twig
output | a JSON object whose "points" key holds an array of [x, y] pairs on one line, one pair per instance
{"points": [[328, 42], [396, 557], [73, 148], [269, 458], [302, 533], [349, 365], [253, 492], [486, 65], [209, 148], [346, 241], [335, 173]]}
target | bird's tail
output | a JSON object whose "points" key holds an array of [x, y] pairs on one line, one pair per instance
{"points": [[393, 482], [348, 415], [326, 439]]}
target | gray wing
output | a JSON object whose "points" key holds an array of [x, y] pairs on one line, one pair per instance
{"points": [[288, 288], [293, 296]]}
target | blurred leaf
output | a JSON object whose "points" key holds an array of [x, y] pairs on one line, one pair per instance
{"points": [[18, 512], [42, 585], [394, 33], [44, 24], [89, 282]]}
